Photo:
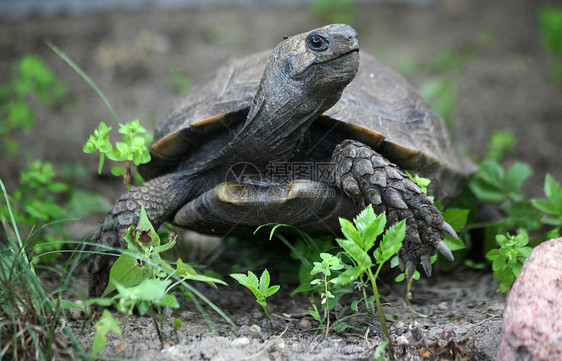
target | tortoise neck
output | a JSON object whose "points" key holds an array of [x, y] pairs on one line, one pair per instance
{"points": [[273, 131]]}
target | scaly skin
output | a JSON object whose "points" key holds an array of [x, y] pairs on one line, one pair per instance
{"points": [[367, 177]]}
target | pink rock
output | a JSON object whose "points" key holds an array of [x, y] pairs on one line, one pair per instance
{"points": [[532, 324]]}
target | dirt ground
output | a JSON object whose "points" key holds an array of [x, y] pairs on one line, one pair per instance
{"points": [[130, 55]]}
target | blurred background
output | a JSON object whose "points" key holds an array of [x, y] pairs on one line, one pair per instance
{"points": [[485, 65]]}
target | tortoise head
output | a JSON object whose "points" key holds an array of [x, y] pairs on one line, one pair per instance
{"points": [[304, 76], [321, 61], [316, 65]]}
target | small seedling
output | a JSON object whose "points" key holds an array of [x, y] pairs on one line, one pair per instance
{"points": [[509, 258], [329, 263], [380, 351], [260, 288], [177, 326], [133, 148], [105, 324]]}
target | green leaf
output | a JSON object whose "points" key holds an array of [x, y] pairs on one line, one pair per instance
{"points": [[248, 281], [373, 228], [364, 219], [184, 270], [456, 217], [105, 324], [355, 252], [148, 290], [453, 244], [272, 290], [544, 206], [131, 127], [349, 275], [68, 304], [177, 324], [553, 192], [391, 242], [144, 223], [487, 182], [117, 171], [350, 232], [514, 179], [127, 272], [169, 300], [264, 282]]}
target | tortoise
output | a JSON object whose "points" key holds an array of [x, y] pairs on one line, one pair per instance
{"points": [[300, 135]]}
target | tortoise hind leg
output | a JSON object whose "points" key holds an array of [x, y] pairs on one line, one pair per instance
{"points": [[367, 177], [161, 197]]}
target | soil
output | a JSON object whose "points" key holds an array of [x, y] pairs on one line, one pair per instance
{"points": [[130, 55]]}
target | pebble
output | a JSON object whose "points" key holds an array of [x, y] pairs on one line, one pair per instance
{"points": [[242, 341], [532, 319], [305, 324], [443, 305], [402, 340], [255, 329]]}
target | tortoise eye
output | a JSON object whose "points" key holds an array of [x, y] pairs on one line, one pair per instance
{"points": [[317, 42]]}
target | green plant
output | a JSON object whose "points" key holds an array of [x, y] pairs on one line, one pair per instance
{"points": [[502, 188], [177, 325], [260, 288], [105, 324], [380, 351], [144, 280], [133, 148], [329, 263], [358, 242], [37, 208], [34, 77], [508, 259], [31, 318], [550, 21]]}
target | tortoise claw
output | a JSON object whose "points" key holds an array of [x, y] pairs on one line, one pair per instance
{"points": [[402, 264], [410, 269], [446, 227], [426, 263], [444, 250]]}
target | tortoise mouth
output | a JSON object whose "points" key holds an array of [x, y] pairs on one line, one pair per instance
{"points": [[344, 64], [351, 53]]}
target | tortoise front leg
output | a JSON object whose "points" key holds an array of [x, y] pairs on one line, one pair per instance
{"points": [[367, 177], [161, 197]]}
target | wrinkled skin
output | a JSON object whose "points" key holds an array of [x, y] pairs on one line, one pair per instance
{"points": [[305, 75]]}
